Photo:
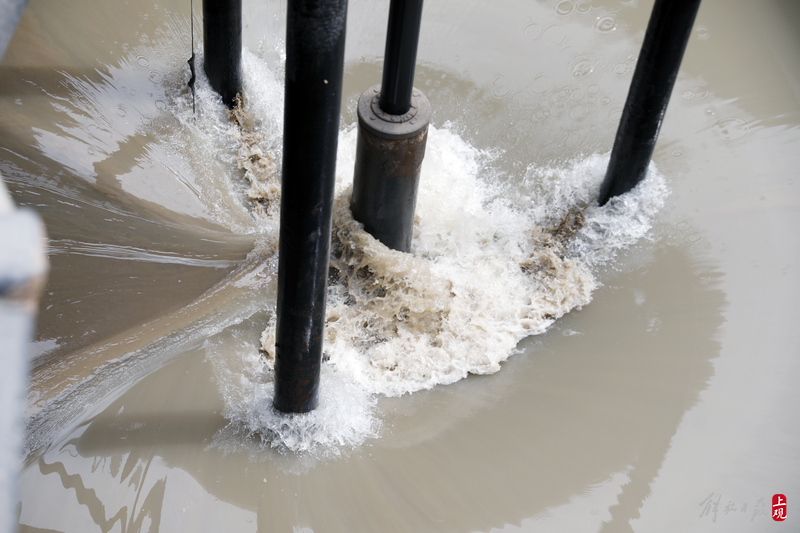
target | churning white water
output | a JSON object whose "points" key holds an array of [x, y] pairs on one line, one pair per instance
{"points": [[490, 265], [149, 399], [495, 257]]}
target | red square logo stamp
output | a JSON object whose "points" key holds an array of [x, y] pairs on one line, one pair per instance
{"points": [[778, 507]]}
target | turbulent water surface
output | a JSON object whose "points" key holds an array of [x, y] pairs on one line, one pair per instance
{"points": [[535, 362]]}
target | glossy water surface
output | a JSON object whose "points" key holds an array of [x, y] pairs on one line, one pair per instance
{"points": [[665, 404]]}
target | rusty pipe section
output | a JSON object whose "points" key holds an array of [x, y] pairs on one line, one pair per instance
{"points": [[389, 157]]}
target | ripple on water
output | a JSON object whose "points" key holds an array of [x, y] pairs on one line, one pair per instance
{"points": [[606, 24], [731, 128], [564, 8]]}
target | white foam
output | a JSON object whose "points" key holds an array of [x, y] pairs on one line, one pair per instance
{"points": [[208, 141], [345, 417], [491, 263], [553, 191]]}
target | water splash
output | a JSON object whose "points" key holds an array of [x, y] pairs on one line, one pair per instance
{"points": [[495, 258]]}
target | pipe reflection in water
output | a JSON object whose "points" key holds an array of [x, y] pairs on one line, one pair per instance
{"points": [[156, 432], [625, 415]]}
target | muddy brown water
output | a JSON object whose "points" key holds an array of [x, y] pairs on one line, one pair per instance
{"points": [[668, 403]]}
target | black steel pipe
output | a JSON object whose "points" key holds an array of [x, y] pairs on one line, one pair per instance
{"points": [[315, 36], [400, 58], [664, 43], [222, 47]]}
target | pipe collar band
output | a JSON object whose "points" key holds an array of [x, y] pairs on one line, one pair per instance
{"points": [[382, 124]]}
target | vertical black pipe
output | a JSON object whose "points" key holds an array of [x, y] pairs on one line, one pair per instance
{"points": [[222, 46], [665, 41], [400, 58], [315, 36]]}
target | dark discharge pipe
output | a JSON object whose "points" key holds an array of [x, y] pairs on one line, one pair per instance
{"points": [[222, 46], [393, 120], [389, 153], [315, 36], [400, 58], [665, 41]]}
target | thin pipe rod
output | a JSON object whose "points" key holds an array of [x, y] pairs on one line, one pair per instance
{"points": [[664, 43], [222, 46], [315, 37], [402, 37]]}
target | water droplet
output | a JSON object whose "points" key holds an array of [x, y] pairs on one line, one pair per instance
{"points": [[702, 32], [677, 153], [577, 112], [606, 24], [554, 35], [532, 31], [687, 94], [700, 92], [142, 61], [541, 84], [582, 68], [730, 128], [558, 109], [564, 8], [584, 7], [561, 95], [620, 69]]}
